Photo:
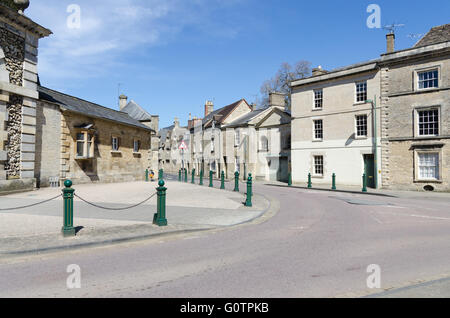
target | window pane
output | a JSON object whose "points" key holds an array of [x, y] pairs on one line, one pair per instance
{"points": [[80, 149]]}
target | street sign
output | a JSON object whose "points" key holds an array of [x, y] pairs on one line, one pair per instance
{"points": [[183, 146]]}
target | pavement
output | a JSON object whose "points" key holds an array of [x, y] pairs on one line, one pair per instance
{"points": [[189, 208]]}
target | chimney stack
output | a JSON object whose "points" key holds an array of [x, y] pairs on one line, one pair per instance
{"points": [[209, 107], [123, 101], [318, 71], [277, 100], [390, 39]]}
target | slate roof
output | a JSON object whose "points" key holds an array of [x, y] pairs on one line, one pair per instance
{"points": [[84, 107], [436, 35], [137, 112], [221, 114], [244, 120]]}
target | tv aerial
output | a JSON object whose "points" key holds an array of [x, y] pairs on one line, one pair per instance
{"points": [[392, 27], [415, 36]]}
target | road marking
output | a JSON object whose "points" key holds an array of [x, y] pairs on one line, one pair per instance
{"points": [[417, 216]]}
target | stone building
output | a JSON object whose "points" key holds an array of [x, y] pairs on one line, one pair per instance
{"points": [[387, 118], [135, 111], [47, 136], [171, 157], [19, 41], [335, 128], [240, 138], [415, 101], [260, 142], [86, 142]]}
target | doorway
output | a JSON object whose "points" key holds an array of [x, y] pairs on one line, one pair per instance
{"points": [[369, 170]]}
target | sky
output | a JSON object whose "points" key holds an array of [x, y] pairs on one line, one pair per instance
{"points": [[170, 56]]}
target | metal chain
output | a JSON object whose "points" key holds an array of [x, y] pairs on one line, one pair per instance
{"points": [[31, 205], [114, 209]]}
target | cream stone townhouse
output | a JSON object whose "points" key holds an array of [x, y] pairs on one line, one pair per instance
{"points": [[240, 138], [386, 118]]}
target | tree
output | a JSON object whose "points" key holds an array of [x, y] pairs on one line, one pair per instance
{"points": [[281, 81]]}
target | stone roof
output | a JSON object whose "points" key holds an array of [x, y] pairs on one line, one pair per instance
{"points": [[436, 35], [77, 105], [137, 112], [245, 119], [221, 114]]}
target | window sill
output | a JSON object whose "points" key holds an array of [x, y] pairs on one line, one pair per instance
{"points": [[317, 176], [428, 181], [360, 103], [116, 152], [361, 138], [317, 109], [137, 154], [84, 158], [317, 140]]}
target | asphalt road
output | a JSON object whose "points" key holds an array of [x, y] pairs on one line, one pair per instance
{"points": [[319, 244]]}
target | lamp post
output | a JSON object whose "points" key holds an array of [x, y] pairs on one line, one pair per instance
{"points": [[375, 138]]}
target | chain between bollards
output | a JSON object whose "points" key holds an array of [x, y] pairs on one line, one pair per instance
{"points": [[248, 202]]}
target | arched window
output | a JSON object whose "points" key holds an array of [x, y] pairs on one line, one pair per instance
{"points": [[264, 144]]}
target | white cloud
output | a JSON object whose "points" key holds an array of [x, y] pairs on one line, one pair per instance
{"points": [[111, 28]]}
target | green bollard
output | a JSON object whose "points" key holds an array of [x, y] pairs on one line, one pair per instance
{"points": [[68, 230], [146, 175], [309, 181], [222, 181], [179, 175], [185, 175], [236, 181], [248, 202], [201, 177], [333, 186], [290, 180], [211, 185], [364, 189], [160, 216], [193, 176]]}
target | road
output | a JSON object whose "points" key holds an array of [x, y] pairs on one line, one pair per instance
{"points": [[319, 244]]}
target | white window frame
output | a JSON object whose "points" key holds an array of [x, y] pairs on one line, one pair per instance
{"points": [[427, 70], [314, 129], [356, 92], [237, 137], [138, 142], [417, 120], [88, 145], [115, 146], [318, 100], [356, 126], [438, 154], [315, 165]]}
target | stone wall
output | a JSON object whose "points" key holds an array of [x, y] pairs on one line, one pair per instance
{"points": [[48, 143]]}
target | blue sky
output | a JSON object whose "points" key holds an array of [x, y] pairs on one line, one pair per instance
{"points": [[170, 56]]}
